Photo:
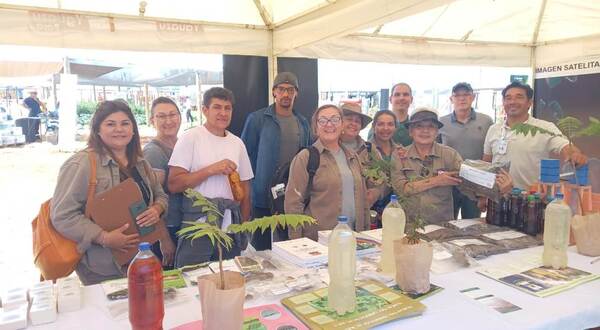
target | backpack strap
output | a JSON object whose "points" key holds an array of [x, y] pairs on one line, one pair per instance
{"points": [[314, 159], [92, 183]]}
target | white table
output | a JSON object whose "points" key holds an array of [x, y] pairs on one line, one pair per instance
{"points": [[577, 308]]}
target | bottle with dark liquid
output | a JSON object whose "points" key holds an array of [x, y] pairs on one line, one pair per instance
{"points": [[514, 207], [145, 290], [531, 220], [522, 212], [490, 210]]}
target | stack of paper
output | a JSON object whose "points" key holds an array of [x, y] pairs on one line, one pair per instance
{"points": [[43, 303], [13, 319], [363, 247], [69, 294], [302, 252]]}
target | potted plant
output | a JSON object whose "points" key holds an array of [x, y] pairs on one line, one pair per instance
{"points": [[413, 258], [585, 227], [222, 294]]}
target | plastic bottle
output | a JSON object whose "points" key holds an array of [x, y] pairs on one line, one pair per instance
{"points": [[522, 212], [556, 233], [341, 292], [490, 212], [393, 221], [514, 207], [145, 286], [531, 219]]}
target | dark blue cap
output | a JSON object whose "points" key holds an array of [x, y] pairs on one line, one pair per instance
{"points": [[342, 218]]}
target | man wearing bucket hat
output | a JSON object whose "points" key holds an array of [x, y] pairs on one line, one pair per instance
{"points": [[429, 170], [464, 130], [273, 136]]}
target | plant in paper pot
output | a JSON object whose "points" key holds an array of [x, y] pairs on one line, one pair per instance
{"points": [[585, 227], [222, 294], [413, 258]]}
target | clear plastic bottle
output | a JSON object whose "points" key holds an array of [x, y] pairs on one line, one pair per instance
{"points": [[145, 290], [393, 221], [342, 268], [556, 233]]}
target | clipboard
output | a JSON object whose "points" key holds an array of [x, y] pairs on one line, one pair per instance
{"points": [[111, 209]]}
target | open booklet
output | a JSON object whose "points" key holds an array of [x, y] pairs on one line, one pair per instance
{"points": [[375, 304], [537, 280]]}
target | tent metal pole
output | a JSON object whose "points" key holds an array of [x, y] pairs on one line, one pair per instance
{"points": [[199, 98], [147, 104], [272, 66]]}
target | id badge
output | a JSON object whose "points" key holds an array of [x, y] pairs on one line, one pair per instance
{"points": [[502, 147]]}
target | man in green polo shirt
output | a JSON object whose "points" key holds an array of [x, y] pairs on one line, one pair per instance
{"points": [[401, 99]]}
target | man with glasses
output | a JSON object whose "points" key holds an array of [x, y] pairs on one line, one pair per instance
{"points": [[464, 130], [428, 171], [273, 136]]}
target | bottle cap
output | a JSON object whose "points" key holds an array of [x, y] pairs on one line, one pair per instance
{"points": [[144, 246], [531, 198], [516, 191], [393, 198], [342, 218], [559, 196]]}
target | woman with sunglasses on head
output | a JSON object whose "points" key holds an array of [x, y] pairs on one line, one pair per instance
{"points": [[115, 144], [166, 118], [338, 187]]}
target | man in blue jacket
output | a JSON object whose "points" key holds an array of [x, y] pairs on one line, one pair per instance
{"points": [[273, 136]]}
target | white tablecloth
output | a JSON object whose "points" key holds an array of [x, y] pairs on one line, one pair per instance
{"points": [[577, 308]]}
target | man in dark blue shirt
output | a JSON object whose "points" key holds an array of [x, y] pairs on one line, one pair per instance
{"points": [[33, 104]]}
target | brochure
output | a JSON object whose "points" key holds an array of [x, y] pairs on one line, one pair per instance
{"points": [[539, 281], [302, 252], [498, 304], [375, 304], [117, 289]]}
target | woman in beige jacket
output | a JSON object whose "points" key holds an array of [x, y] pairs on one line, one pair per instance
{"points": [[114, 138], [338, 187]]}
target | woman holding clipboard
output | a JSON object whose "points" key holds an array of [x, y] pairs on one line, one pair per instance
{"points": [[115, 143]]}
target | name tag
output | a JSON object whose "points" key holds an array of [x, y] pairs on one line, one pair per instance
{"points": [[502, 147]]}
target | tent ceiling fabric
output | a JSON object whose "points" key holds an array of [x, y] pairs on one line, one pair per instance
{"points": [[492, 32]]}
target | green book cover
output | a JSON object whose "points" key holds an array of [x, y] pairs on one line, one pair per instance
{"points": [[375, 304]]}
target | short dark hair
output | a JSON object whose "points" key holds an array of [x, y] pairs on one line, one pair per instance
{"points": [[401, 84], [385, 112], [105, 109], [162, 100], [219, 93], [515, 84]]}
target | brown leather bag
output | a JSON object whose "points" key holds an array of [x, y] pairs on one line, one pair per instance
{"points": [[55, 255]]}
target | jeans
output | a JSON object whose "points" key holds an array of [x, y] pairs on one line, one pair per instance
{"points": [[468, 208]]}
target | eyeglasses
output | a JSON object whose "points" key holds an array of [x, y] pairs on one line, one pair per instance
{"points": [[171, 116], [289, 90], [335, 120]]}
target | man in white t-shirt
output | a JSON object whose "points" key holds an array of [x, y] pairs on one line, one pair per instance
{"points": [[525, 152], [204, 156]]}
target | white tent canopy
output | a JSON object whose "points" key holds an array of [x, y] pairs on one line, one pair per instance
{"points": [[481, 32]]}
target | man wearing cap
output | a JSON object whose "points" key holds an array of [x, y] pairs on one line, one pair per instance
{"points": [[273, 136], [429, 170], [401, 99], [464, 130]]}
